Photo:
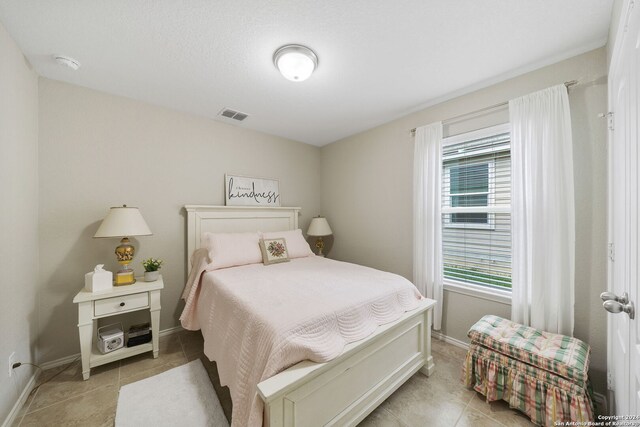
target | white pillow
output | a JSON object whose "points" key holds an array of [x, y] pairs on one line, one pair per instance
{"points": [[297, 246], [232, 249]]}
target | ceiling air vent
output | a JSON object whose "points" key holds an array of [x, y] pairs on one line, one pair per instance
{"points": [[233, 114]]}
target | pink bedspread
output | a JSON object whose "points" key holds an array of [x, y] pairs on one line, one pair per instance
{"points": [[259, 320]]}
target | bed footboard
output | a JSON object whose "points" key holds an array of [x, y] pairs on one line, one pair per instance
{"points": [[345, 390]]}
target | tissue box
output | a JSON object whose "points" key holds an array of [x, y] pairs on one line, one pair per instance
{"points": [[98, 280]]}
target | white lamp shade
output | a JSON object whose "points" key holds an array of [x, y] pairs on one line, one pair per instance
{"points": [[123, 221], [319, 227], [295, 62]]}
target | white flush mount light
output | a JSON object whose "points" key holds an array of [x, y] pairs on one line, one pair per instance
{"points": [[295, 62], [67, 61]]}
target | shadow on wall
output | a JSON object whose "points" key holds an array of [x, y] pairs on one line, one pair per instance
{"points": [[58, 312], [590, 191], [180, 306]]}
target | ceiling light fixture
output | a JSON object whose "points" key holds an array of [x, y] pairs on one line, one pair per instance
{"points": [[295, 62], [67, 61]]}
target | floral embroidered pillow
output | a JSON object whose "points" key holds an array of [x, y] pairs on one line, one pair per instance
{"points": [[274, 251]]}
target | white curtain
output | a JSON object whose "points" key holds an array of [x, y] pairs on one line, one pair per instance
{"points": [[543, 217], [427, 219]]}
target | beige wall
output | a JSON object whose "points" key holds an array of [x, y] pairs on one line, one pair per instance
{"points": [[367, 195], [19, 218], [614, 26], [99, 150]]}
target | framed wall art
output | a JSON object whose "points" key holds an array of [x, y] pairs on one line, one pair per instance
{"points": [[248, 191]]}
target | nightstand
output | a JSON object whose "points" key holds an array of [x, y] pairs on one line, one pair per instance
{"points": [[121, 299]]}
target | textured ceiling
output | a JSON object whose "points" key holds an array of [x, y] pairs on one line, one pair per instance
{"points": [[378, 59]]}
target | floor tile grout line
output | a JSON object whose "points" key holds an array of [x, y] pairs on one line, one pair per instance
{"points": [[443, 354], [185, 360], [467, 406], [39, 390], [402, 423], [484, 413], [184, 353], [75, 396], [24, 414], [464, 410], [31, 400], [459, 418], [119, 373], [133, 363]]}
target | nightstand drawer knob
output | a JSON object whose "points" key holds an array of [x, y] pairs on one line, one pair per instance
{"points": [[121, 304]]}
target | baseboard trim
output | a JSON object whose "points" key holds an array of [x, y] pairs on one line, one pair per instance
{"points": [[170, 331], [600, 400], [449, 340], [59, 362], [68, 359], [21, 400]]}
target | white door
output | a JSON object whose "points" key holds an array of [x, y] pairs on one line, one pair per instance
{"points": [[624, 333]]}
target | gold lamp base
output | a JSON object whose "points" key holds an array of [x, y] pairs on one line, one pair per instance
{"points": [[125, 252], [319, 246]]}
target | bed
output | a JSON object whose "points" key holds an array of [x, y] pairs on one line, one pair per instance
{"points": [[351, 383]]}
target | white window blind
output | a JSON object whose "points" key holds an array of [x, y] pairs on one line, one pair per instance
{"points": [[476, 208]]}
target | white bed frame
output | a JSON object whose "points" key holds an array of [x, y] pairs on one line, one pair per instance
{"points": [[346, 389]]}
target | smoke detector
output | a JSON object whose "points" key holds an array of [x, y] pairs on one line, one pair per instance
{"points": [[67, 61]]}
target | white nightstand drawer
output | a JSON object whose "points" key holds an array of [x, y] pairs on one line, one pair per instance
{"points": [[114, 305]]}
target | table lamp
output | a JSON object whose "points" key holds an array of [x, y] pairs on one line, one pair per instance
{"points": [[319, 227], [123, 221]]}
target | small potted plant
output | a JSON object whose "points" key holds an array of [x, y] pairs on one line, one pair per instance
{"points": [[151, 267]]}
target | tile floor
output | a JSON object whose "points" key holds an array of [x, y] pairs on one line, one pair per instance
{"points": [[440, 400]]}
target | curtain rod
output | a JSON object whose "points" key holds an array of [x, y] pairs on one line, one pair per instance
{"points": [[489, 108]]}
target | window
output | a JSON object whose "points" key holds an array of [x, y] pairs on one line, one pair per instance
{"points": [[476, 208], [468, 184]]}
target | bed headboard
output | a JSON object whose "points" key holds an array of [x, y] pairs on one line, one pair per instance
{"points": [[235, 219]]}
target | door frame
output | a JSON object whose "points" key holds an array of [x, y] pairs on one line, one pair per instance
{"points": [[628, 7]]}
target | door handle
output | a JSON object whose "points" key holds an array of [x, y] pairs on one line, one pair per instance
{"points": [[616, 307], [610, 296]]}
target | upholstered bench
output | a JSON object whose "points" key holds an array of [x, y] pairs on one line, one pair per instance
{"points": [[541, 374]]}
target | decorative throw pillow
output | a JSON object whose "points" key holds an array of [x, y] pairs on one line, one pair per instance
{"points": [[297, 246], [274, 251]]}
